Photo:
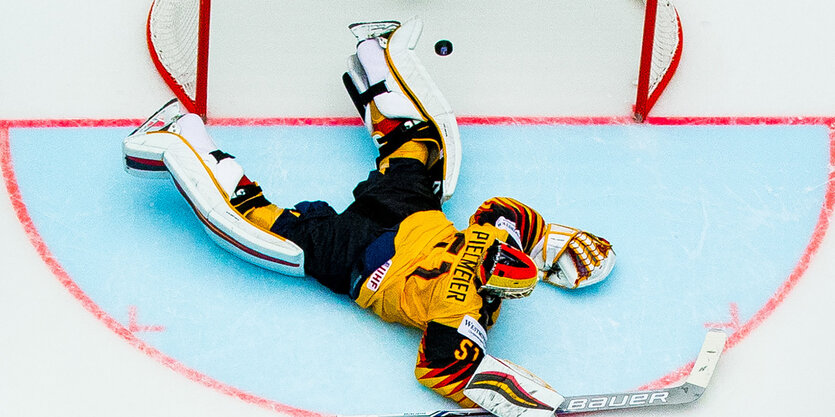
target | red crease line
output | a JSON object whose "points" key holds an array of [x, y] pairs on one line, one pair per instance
{"points": [[779, 296], [462, 120], [55, 267], [40, 246]]}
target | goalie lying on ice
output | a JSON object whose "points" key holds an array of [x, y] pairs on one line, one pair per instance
{"points": [[392, 250]]}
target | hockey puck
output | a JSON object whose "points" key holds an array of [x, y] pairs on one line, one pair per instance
{"points": [[443, 47]]}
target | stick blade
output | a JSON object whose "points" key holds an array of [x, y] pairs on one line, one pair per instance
{"points": [[708, 357]]}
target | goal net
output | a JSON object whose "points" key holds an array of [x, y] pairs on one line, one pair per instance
{"points": [[178, 40], [660, 54]]}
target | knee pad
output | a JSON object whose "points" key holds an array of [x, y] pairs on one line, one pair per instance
{"points": [[386, 71]]}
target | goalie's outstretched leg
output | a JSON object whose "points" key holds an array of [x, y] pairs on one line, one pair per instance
{"points": [[232, 209], [401, 106]]}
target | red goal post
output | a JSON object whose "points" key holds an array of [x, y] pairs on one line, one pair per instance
{"points": [[178, 40], [660, 54]]}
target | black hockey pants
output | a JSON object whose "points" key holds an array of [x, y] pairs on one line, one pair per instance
{"points": [[334, 244]]}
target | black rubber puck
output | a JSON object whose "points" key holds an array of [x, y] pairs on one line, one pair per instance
{"points": [[443, 47]]}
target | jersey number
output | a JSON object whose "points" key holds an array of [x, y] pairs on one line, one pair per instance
{"points": [[463, 351]]}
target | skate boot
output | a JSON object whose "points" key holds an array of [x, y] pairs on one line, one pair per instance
{"points": [[370, 30], [143, 155]]}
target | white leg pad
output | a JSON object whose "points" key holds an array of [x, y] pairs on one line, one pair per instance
{"points": [[358, 77], [394, 104], [401, 53], [143, 154], [221, 221], [206, 186], [412, 93]]}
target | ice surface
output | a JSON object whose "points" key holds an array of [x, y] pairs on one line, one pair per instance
{"points": [[741, 58]]}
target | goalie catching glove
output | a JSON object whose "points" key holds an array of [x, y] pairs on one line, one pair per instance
{"points": [[571, 258]]}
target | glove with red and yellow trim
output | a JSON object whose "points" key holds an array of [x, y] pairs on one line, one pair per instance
{"points": [[571, 258]]}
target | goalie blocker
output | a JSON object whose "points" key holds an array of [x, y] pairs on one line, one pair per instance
{"points": [[508, 390], [170, 144]]}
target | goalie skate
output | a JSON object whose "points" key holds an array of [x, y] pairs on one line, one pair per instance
{"points": [[401, 88], [207, 178], [370, 30], [143, 156]]}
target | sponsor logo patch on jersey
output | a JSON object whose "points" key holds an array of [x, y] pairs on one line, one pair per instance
{"points": [[473, 330], [376, 278]]}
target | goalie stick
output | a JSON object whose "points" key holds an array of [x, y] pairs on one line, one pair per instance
{"points": [[688, 391]]}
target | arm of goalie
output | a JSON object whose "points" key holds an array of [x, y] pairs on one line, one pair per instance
{"points": [[571, 258], [508, 390]]}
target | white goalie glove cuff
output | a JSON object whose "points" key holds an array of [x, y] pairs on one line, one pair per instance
{"points": [[508, 390], [571, 258]]}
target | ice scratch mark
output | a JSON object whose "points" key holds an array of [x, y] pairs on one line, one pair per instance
{"points": [[697, 250]]}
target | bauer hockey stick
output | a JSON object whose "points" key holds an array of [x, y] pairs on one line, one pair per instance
{"points": [[687, 392]]}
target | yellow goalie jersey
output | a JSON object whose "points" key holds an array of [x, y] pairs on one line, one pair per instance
{"points": [[430, 283]]}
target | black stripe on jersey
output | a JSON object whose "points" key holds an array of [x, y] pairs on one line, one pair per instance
{"points": [[456, 244], [448, 368], [432, 273]]}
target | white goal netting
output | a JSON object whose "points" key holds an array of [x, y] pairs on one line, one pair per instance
{"points": [[665, 48], [174, 31], [178, 41]]}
